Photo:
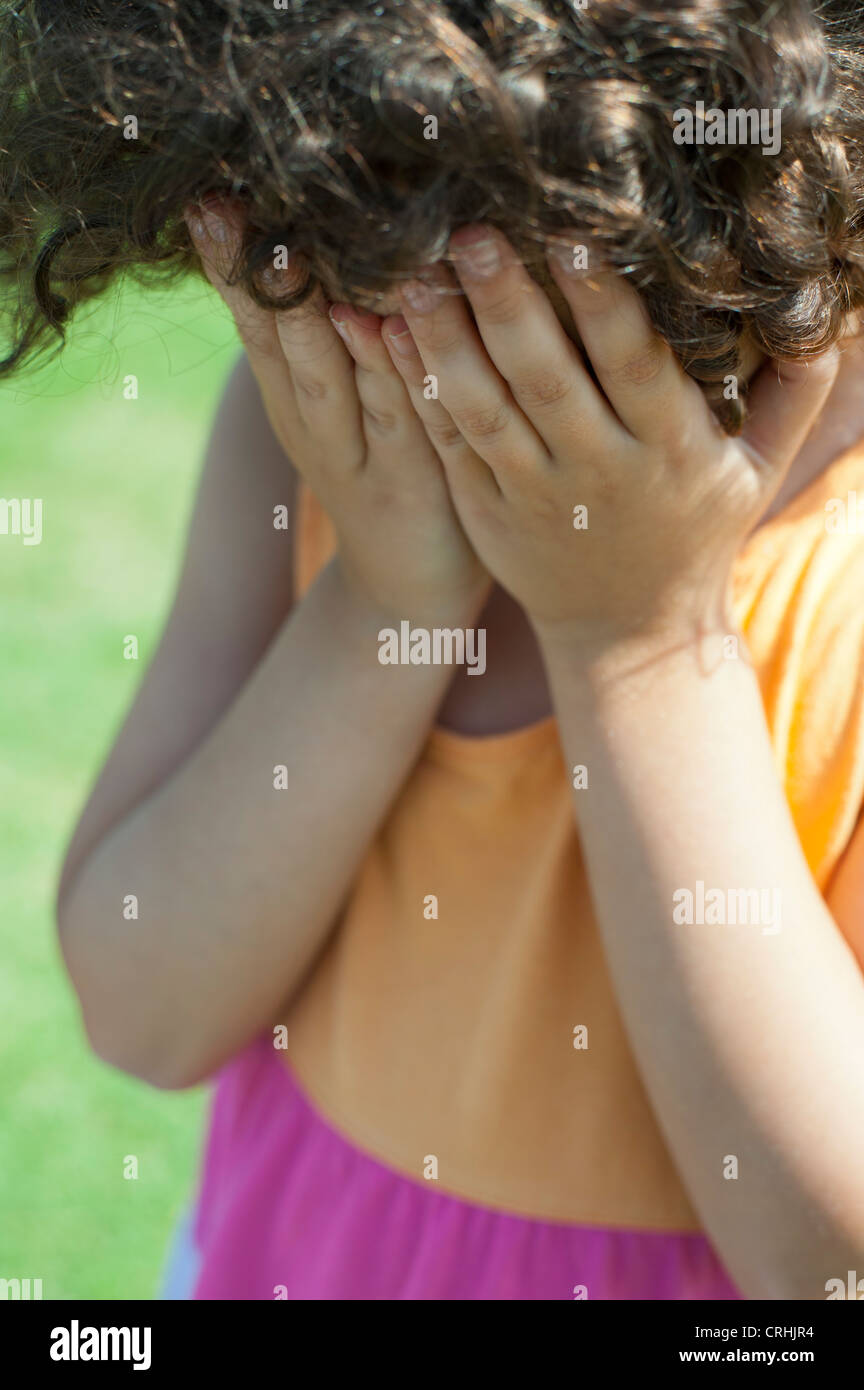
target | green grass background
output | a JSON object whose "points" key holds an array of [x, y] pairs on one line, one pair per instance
{"points": [[117, 480]]}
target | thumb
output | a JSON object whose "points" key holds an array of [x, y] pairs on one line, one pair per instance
{"points": [[785, 400]]}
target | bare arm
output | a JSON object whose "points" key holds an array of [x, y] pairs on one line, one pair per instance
{"points": [[238, 882], [750, 1037], [234, 592], [751, 1043]]}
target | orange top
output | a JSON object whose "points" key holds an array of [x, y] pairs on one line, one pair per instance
{"points": [[454, 1036]]}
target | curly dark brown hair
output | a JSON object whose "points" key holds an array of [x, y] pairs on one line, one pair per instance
{"points": [[115, 115]]}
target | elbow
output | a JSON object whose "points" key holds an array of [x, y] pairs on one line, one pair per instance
{"points": [[159, 1071], [132, 1023], [159, 1064], [124, 1036]]}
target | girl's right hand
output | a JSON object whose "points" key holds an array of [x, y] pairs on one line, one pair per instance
{"points": [[346, 421]]}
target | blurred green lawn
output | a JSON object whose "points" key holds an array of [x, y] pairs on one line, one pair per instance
{"points": [[117, 479]]}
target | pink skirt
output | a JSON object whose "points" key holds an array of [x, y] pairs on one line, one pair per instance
{"points": [[289, 1209]]}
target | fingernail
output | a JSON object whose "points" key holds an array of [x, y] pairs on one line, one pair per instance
{"points": [[216, 226], [342, 326], [573, 259], [402, 341], [480, 258], [420, 296], [793, 369], [196, 226]]}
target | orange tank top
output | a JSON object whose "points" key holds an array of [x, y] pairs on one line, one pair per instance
{"points": [[453, 1036]]}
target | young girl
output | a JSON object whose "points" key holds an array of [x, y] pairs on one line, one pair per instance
{"points": [[546, 985]]}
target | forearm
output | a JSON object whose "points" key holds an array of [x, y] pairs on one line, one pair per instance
{"points": [[238, 882], [750, 1039]]}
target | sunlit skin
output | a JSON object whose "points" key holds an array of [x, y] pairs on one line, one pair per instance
{"points": [[519, 656], [440, 508], [622, 622]]}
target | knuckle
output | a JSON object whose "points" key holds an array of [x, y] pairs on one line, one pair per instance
{"points": [[260, 346], [483, 421], [641, 367], [310, 388], [382, 422], [541, 389], [303, 335], [549, 511], [441, 338], [503, 312], [444, 433]]}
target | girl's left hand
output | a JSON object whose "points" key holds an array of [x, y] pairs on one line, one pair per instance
{"points": [[668, 496]]}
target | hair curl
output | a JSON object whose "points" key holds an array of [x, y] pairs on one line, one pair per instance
{"points": [[550, 118]]}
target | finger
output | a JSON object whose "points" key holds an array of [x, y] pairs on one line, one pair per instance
{"points": [[525, 340], [322, 374], [389, 418], [638, 371], [469, 385], [465, 470], [784, 400], [216, 230], [304, 371]]}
